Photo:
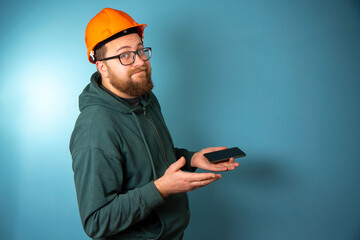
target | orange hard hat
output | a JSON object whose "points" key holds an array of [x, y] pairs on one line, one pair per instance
{"points": [[106, 24]]}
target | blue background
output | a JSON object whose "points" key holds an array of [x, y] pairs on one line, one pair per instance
{"points": [[279, 79]]}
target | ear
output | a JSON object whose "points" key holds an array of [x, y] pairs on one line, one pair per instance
{"points": [[102, 68]]}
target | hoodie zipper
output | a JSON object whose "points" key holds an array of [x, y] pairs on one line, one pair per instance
{"points": [[158, 134]]}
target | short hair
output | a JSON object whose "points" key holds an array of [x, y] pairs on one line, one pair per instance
{"points": [[100, 49], [99, 52]]}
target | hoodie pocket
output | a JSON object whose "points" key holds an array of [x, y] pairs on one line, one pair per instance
{"points": [[151, 227]]}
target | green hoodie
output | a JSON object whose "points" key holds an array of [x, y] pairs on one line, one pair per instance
{"points": [[118, 151]]}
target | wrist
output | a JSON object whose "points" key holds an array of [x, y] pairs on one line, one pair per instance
{"points": [[193, 160], [161, 188]]}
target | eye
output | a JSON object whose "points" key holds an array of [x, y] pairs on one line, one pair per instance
{"points": [[125, 55], [141, 52]]}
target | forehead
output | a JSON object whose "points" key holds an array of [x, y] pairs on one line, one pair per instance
{"points": [[125, 42]]}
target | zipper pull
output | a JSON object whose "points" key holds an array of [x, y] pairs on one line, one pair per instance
{"points": [[144, 109]]}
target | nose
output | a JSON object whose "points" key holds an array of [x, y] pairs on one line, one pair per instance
{"points": [[138, 61]]}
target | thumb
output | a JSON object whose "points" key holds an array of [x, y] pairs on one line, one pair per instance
{"points": [[178, 164]]}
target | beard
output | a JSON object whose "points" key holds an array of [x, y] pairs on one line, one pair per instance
{"points": [[131, 87]]}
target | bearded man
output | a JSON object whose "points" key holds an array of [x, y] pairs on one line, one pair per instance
{"points": [[130, 180]]}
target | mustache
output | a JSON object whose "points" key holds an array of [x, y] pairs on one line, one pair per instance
{"points": [[139, 69]]}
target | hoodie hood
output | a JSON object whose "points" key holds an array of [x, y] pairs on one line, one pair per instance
{"points": [[93, 94]]}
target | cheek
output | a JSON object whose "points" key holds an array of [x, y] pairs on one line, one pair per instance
{"points": [[119, 72], [148, 66]]}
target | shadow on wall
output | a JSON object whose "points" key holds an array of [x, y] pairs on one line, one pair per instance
{"points": [[231, 206], [263, 172]]}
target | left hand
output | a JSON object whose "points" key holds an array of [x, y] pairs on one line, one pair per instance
{"points": [[198, 160]]}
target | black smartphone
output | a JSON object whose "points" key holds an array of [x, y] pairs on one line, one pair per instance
{"points": [[224, 155]]}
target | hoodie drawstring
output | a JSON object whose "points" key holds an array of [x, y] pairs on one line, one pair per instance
{"points": [[146, 146]]}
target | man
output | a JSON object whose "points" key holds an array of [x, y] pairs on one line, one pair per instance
{"points": [[131, 182]]}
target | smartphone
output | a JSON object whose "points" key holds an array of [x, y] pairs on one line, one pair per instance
{"points": [[224, 155]]}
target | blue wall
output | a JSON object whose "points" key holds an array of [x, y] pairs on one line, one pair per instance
{"points": [[279, 79]]}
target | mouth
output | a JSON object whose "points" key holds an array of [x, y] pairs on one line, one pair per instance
{"points": [[142, 72], [139, 71]]}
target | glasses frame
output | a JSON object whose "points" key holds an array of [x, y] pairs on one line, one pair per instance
{"points": [[135, 53]]}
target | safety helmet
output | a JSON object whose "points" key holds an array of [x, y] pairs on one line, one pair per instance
{"points": [[106, 24]]}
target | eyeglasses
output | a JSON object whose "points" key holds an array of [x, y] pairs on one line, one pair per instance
{"points": [[128, 58]]}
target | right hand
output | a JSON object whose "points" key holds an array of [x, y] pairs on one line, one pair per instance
{"points": [[177, 181]]}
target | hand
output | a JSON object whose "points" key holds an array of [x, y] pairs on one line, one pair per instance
{"points": [[198, 160], [176, 181]]}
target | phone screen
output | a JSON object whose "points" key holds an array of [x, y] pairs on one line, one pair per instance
{"points": [[224, 155]]}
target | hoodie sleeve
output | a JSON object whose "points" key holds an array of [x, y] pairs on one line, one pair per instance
{"points": [[104, 211], [180, 152]]}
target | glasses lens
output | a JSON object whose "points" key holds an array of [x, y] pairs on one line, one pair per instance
{"points": [[127, 58], [145, 54]]}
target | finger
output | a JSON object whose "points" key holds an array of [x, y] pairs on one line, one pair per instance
{"points": [[230, 162], [230, 165], [216, 167], [198, 184], [197, 177], [176, 166]]}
